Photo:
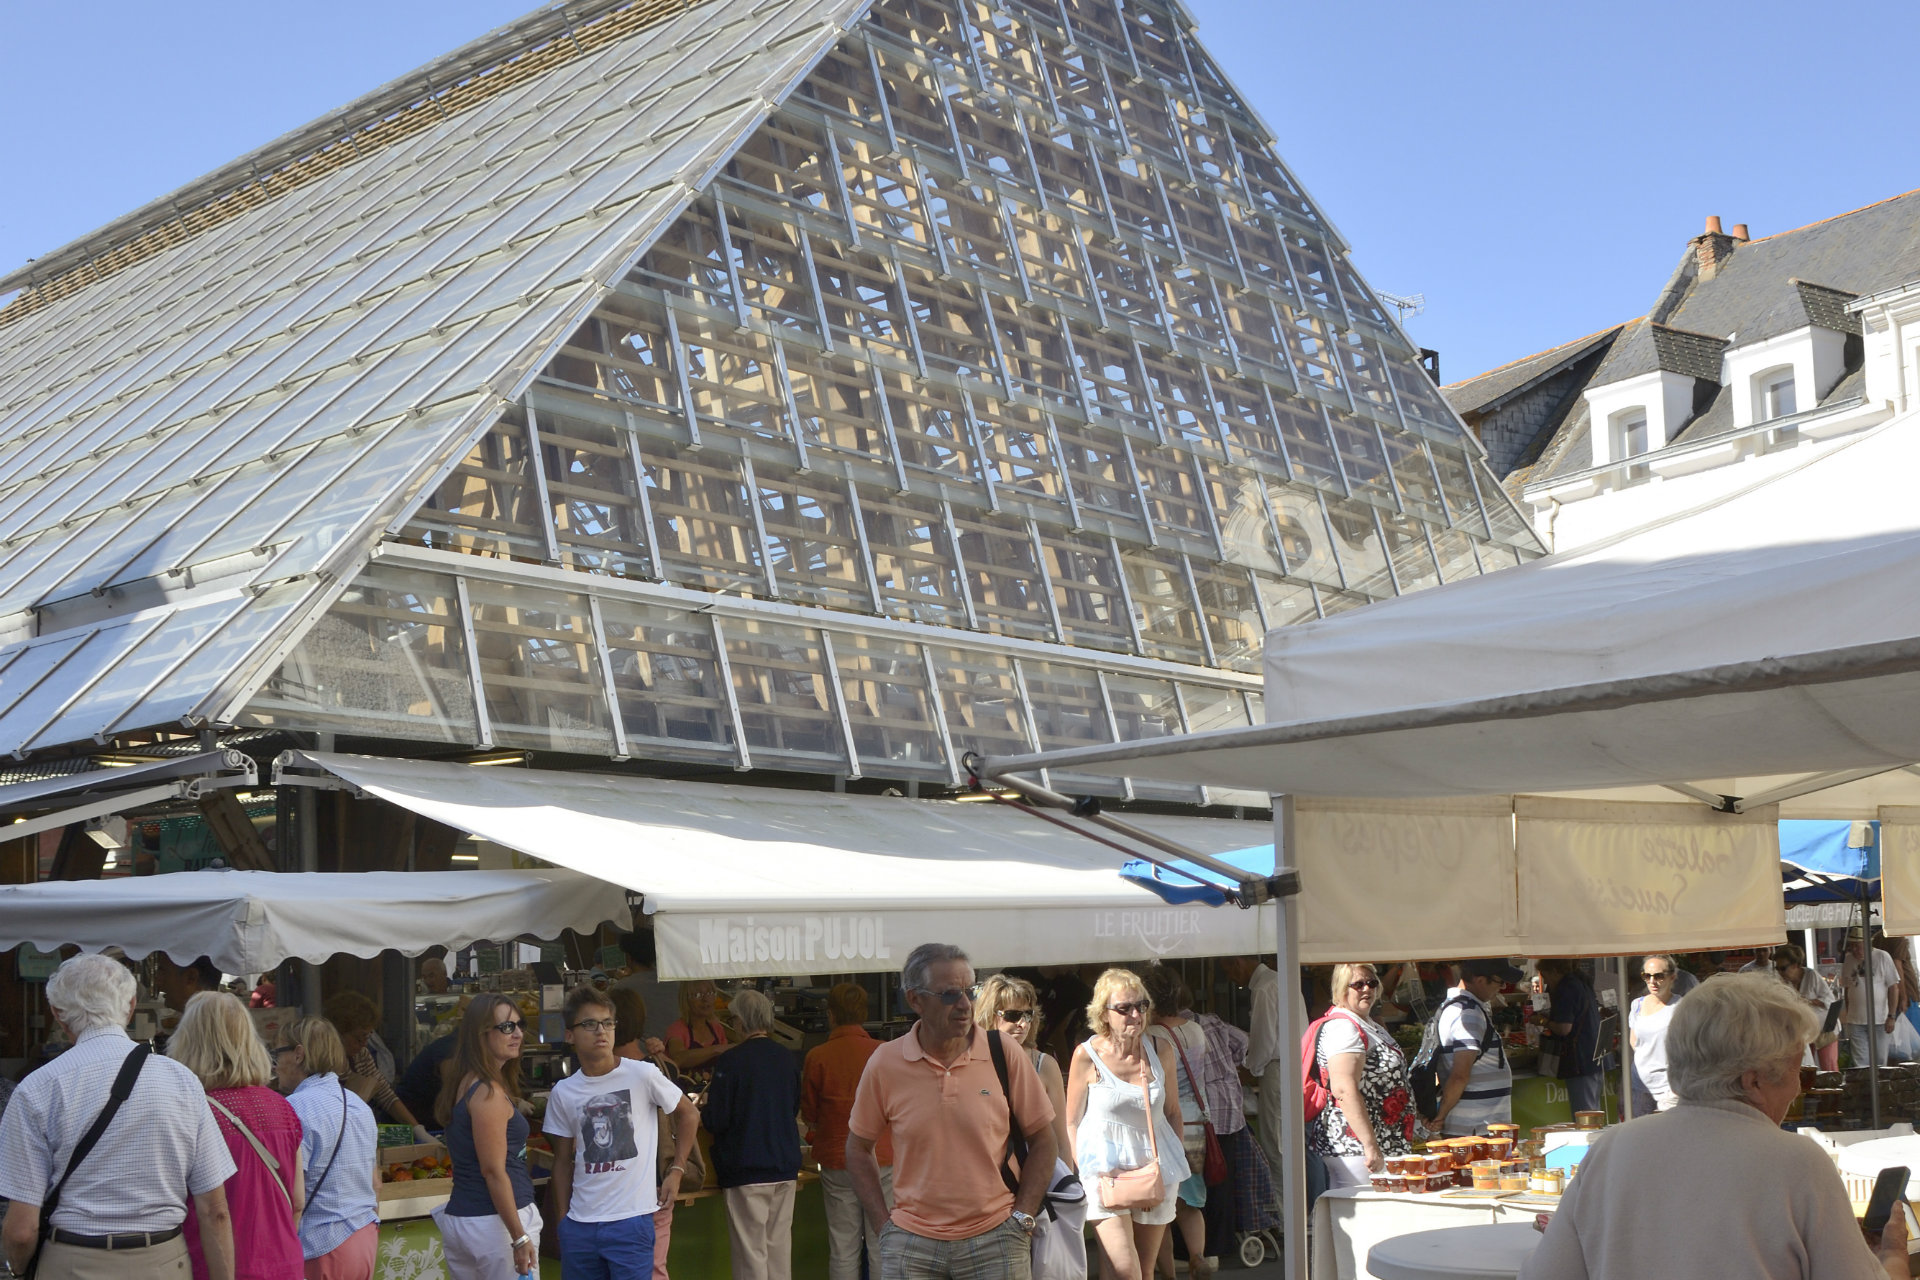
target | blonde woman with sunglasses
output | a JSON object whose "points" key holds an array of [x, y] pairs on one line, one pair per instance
{"points": [[1371, 1115], [1011, 1006]]}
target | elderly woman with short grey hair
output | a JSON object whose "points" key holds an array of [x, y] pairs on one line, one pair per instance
{"points": [[750, 1111], [1760, 1203]]}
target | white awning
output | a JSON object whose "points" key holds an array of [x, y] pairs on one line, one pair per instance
{"points": [[1774, 632], [249, 921], [745, 881]]}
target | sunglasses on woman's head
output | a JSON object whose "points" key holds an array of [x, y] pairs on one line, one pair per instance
{"points": [[1015, 1015]]}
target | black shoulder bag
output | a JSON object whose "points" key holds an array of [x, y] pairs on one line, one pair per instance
{"points": [[122, 1087], [1017, 1141]]}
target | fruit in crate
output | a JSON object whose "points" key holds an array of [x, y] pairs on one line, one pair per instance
{"points": [[399, 1173]]}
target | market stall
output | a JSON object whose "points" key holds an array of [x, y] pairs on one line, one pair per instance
{"points": [[1734, 655], [248, 922]]}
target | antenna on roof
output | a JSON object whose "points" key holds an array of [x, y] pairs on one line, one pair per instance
{"points": [[1407, 305]]}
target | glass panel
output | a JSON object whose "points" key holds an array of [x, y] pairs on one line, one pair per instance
{"points": [[387, 659], [1087, 591], [912, 559], [811, 539], [703, 525], [666, 678], [1143, 708], [1213, 708], [1412, 559], [537, 661], [1067, 710], [96, 652], [1455, 550], [1304, 535], [1286, 602], [489, 504], [1357, 542], [889, 706], [1009, 595], [217, 660], [779, 678], [1457, 485], [1231, 617], [1169, 626], [596, 515], [982, 702]]}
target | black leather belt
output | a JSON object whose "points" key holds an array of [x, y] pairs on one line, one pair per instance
{"points": [[122, 1240]]}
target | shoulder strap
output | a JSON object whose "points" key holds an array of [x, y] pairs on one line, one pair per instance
{"points": [[122, 1088], [1200, 1099], [1147, 1067], [1016, 1140], [259, 1147], [338, 1140]]}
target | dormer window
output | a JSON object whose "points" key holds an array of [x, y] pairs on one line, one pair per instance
{"points": [[1629, 430], [1773, 394]]}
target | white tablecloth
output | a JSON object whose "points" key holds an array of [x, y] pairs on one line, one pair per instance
{"points": [[1350, 1221]]}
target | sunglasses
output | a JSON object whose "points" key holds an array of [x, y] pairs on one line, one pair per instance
{"points": [[953, 995], [592, 1026], [1363, 984], [1015, 1016], [512, 1028], [1130, 1008], [1657, 977], [276, 1051]]}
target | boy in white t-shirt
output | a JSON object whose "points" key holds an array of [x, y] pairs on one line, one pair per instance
{"points": [[604, 1122]]}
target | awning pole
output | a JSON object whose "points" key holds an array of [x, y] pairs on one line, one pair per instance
{"points": [[1867, 985], [1626, 1046], [1293, 1117]]}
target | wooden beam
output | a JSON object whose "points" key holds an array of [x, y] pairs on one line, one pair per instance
{"points": [[233, 831]]}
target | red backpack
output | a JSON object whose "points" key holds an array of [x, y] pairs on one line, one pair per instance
{"points": [[1315, 1091]]}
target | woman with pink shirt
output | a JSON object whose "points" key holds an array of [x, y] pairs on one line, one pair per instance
{"points": [[217, 1042]]}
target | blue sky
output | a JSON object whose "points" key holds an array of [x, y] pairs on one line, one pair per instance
{"points": [[1534, 169]]}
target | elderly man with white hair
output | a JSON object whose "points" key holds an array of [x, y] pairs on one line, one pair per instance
{"points": [[1714, 1187], [117, 1210]]}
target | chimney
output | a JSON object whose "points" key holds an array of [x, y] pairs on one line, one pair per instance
{"points": [[1740, 232], [1712, 247]]}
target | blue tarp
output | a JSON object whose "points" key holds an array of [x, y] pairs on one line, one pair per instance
{"points": [[1194, 884], [1818, 865]]}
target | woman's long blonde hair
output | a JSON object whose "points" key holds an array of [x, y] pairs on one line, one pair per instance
{"points": [[216, 1040]]}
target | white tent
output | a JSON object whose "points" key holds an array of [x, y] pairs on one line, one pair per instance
{"points": [[249, 921], [745, 881]]}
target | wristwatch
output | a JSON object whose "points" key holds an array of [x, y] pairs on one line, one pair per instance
{"points": [[1025, 1221]]}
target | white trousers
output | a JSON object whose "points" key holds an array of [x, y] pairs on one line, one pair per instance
{"points": [[846, 1223], [760, 1228], [480, 1248]]}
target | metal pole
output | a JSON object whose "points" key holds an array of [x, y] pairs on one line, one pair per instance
{"points": [[1293, 1119], [1866, 986], [1626, 1045]]}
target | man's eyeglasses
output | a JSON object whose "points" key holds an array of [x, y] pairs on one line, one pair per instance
{"points": [[953, 995], [1130, 1008], [1015, 1016], [510, 1028], [592, 1026], [1363, 984], [1657, 977]]}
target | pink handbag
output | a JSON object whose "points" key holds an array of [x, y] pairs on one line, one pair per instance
{"points": [[1132, 1189]]}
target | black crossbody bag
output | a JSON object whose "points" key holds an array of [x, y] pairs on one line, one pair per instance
{"points": [[122, 1087]]}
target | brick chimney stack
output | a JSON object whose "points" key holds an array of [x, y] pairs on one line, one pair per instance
{"points": [[1713, 247]]}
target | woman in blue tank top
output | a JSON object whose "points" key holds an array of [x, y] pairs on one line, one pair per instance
{"points": [[489, 1227]]}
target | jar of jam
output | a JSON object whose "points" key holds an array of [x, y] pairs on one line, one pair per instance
{"points": [[1486, 1175], [1500, 1129], [1590, 1119], [1418, 1184], [1512, 1181]]}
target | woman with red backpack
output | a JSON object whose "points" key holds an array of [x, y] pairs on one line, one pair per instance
{"points": [[1366, 1112]]}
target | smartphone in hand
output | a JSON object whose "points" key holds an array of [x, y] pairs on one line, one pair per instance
{"points": [[1889, 1190]]}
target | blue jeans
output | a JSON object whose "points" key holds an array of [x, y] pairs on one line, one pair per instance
{"points": [[619, 1250], [1587, 1093]]}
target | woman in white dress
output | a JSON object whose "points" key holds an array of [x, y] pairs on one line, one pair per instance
{"points": [[1119, 1084], [1647, 1019]]}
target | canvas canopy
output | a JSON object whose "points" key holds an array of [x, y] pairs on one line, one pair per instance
{"points": [[250, 921], [747, 881]]}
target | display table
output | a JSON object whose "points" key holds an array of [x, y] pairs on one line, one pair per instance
{"points": [[1349, 1222], [1456, 1253]]}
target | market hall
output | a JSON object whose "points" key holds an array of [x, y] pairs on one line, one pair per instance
{"points": [[581, 520]]}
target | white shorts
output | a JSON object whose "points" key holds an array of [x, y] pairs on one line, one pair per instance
{"points": [[480, 1248], [1156, 1216]]}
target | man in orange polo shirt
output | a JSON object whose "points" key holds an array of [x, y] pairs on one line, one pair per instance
{"points": [[831, 1078], [935, 1093]]}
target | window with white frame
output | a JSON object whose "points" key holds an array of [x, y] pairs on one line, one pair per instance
{"points": [[1773, 394], [1629, 431]]}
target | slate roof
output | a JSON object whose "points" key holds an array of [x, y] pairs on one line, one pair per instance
{"points": [[1478, 394], [1763, 289], [209, 416]]}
